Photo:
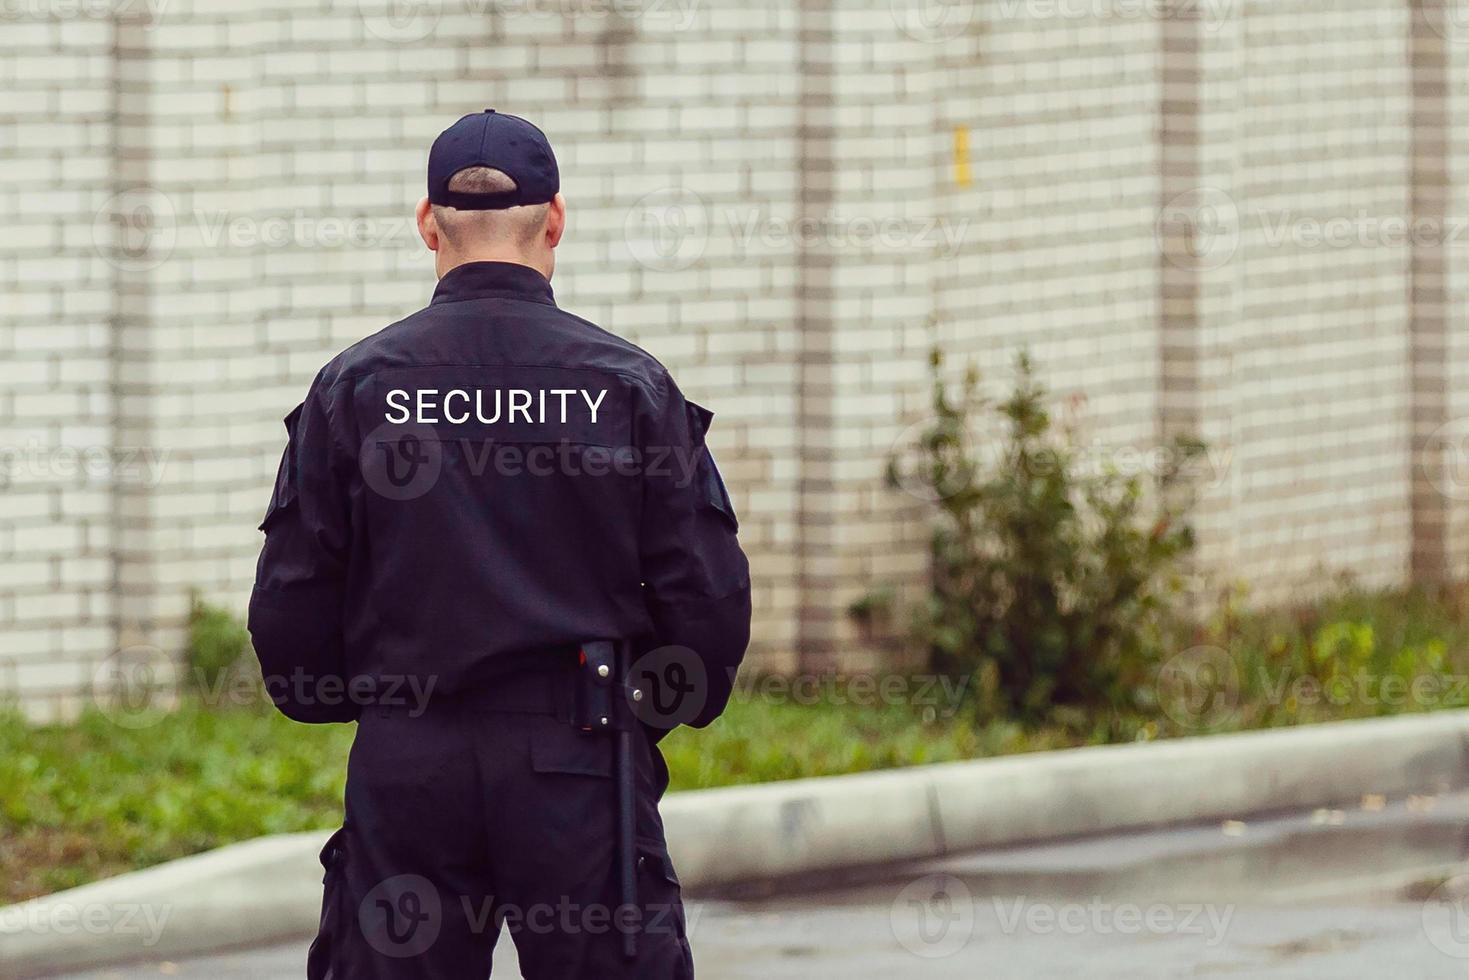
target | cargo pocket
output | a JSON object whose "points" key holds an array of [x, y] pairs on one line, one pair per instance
{"points": [[664, 928], [563, 749], [321, 960]]}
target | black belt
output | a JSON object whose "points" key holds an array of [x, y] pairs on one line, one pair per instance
{"points": [[542, 683]]}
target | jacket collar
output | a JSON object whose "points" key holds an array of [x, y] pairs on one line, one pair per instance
{"points": [[482, 280]]}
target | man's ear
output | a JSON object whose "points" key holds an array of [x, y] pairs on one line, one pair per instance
{"points": [[428, 226], [556, 220]]}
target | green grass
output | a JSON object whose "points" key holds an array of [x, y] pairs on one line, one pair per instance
{"points": [[760, 741], [81, 801]]}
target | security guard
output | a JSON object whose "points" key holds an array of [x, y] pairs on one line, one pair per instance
{"points": [[476, 503]]}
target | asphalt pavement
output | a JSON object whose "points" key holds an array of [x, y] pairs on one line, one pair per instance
{"points": [[1380, 889]]}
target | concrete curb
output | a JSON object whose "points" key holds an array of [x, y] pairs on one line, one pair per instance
{"points": [[270, 888]]}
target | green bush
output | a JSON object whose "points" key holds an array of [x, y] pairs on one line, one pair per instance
{"points": [[1053, 583], [217, 641]]}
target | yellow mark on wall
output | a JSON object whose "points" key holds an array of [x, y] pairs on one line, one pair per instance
{"points": [[962, 176]]}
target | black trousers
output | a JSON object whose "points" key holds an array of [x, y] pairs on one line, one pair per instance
{"points": [[477, 817]]}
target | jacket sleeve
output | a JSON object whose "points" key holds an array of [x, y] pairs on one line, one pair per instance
{"points": [[300, 583], [696, 580]]}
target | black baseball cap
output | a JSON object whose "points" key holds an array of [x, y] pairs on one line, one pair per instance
{"points": [[502, 142]]}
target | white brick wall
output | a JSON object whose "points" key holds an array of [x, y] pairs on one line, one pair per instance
{"points": [[760, 194], [57, 522]]}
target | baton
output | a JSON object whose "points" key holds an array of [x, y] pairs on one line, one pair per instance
{"points": [[604, 706], [626, 853]]}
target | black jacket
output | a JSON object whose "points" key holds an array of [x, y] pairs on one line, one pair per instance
{"points": [[489, 478]]}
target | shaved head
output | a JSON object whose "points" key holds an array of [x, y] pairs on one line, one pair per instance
{"points": [[527, 234], [517, 226]]}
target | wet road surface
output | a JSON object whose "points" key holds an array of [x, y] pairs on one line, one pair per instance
{"points": [[1375, 890]]}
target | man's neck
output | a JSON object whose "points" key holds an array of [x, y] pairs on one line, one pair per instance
{"points": [[445, 265]]}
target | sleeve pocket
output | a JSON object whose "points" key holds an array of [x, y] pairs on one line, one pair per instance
{"points": [[284, 492], [713, 493]]}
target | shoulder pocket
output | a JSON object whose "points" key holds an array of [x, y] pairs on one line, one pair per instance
{"points": [[284, 492]]}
